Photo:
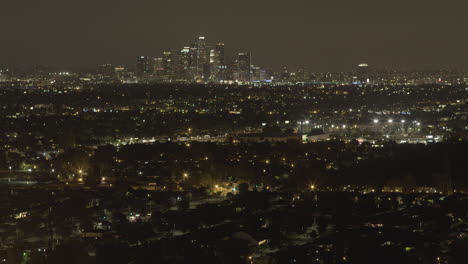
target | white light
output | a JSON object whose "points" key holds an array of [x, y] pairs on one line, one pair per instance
{"points": [[307, 122], [376, 121], [403, 121], [390, 120]]}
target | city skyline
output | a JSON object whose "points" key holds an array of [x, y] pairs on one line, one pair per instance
{"points": [[234, 132], [321, 36]]}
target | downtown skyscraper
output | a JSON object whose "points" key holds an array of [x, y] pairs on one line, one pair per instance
{"points": [[200, 62]]}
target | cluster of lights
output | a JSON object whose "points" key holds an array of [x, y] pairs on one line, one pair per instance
{"points": [[375, 121]]}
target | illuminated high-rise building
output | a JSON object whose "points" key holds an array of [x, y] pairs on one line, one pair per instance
{"points": [[168, 65], [183, 64], [363, 73], [158, 68], [217, 62], [255, 74], [301, 74], [143, 66], [202, 58], [220, 52], [244, 72], [285, 75], [193, 55]]}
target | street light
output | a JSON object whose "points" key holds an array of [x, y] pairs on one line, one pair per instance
{"points": [[376, 121], [390, 120]]}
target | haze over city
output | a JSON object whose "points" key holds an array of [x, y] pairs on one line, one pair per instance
{"points": [[322, 35]]}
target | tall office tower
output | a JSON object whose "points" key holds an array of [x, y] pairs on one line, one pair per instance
{"points": [[193, 60], [301, 74], [285, 75], [216, 62], [255, 74], [202, 58], [168, 65], [363, 73], [244, 69], [183, 64], [232, 71], [143, 67], [158, 68], [264, 76], [219, 48], [213, 65]]}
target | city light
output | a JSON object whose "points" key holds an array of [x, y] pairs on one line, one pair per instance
{"points": [[195, 148]]}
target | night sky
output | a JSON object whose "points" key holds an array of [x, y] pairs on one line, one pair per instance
{"points": [[326, 35]]}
